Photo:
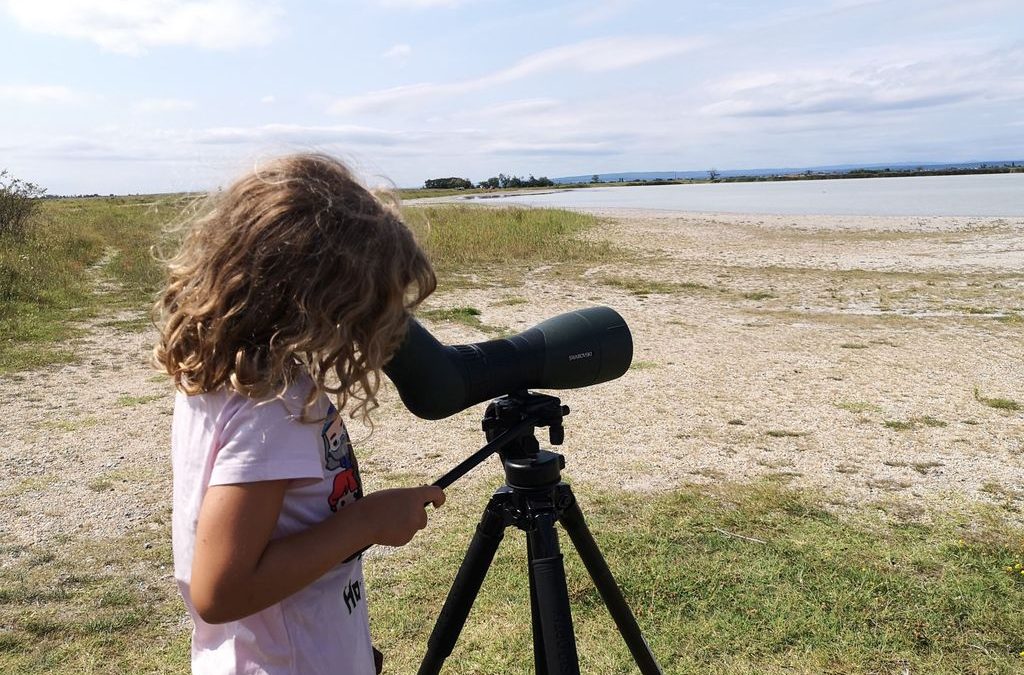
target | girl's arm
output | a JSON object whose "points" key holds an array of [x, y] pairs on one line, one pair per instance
{"points": [[237, 569]]}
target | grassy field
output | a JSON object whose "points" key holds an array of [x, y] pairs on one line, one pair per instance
{"points": [[424, 193], [48, 277], [497, 246], [92, 606], [733, 578], [737, 579]]}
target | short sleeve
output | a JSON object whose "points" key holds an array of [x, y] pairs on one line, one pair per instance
{"points": [[265, 441]]}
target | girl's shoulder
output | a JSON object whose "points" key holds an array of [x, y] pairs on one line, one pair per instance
{"points": [[222, 406], [239, 439]]}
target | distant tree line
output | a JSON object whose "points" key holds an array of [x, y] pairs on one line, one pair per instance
{"points": [[447, 184], [494, 182], [503, 181], [898, 172]]}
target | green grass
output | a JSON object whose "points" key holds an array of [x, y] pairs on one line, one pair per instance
{"points": [[467, 316], [1008, 494], [723, 579], [1010, 318], [782, 433], [424, 193], [997, 403], [127, 401], [645, 287], [510, 301], [460, 238], [101, 484], [135, 325], [104, 606], [69, 425], [921, 467], [44, 278], [914, 423], [856, 594]]}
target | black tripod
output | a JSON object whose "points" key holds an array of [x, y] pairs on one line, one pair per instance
{"points": [[533, 499]]}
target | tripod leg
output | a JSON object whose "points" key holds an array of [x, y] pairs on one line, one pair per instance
{"points": [[470, 577], [552, 597], [539, 660], [572, 521]]}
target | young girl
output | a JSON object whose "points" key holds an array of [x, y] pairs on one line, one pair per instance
{"points": [[296, 286]]}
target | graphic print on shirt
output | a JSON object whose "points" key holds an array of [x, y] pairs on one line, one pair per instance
{"points": [[352, 595], [338, 454]]}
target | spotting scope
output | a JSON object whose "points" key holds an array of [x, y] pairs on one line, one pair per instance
{"points": [[571, 350]]}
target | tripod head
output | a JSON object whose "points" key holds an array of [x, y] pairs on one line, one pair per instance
{"points": [[526, 465], [509, 424], [508, 411]]}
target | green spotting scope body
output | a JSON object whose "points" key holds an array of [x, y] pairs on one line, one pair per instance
{"points": [[568, 351]]}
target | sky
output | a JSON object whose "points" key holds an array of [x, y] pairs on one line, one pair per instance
{"points": [[127, 96]]}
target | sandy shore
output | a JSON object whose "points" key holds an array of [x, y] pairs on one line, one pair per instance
{"points": [[836, 353]]}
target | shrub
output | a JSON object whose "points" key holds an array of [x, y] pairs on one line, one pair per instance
{"points": [[18, 199]]}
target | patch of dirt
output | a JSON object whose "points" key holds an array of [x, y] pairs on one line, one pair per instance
{"points": [[783, 343], [86, 445]]}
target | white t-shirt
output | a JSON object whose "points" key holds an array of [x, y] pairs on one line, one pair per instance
{"points": [[225, 438]]}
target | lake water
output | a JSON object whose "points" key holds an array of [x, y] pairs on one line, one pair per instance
{"points": [[979, 195]]}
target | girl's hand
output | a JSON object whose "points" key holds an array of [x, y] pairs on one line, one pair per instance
{"points": [[397, 515], [239, 569]]}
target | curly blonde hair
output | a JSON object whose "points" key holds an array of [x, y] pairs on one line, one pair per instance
{"points": [[295, 268]]}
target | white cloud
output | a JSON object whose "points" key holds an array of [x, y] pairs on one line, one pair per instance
{"points": [[299, 134], [900, 82], [516, 109], [268, 100], [161, 105], [39, 93], [528, 148], [591, 56], [132, 26], [399, 52]]}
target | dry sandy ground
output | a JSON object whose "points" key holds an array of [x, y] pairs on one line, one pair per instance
{"points": [[769, 346]]}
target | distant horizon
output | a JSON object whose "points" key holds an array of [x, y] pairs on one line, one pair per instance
{"points": [[780, 170], [647, 175]]}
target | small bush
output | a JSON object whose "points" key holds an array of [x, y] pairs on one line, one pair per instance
{"points": [[18, 200]]}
